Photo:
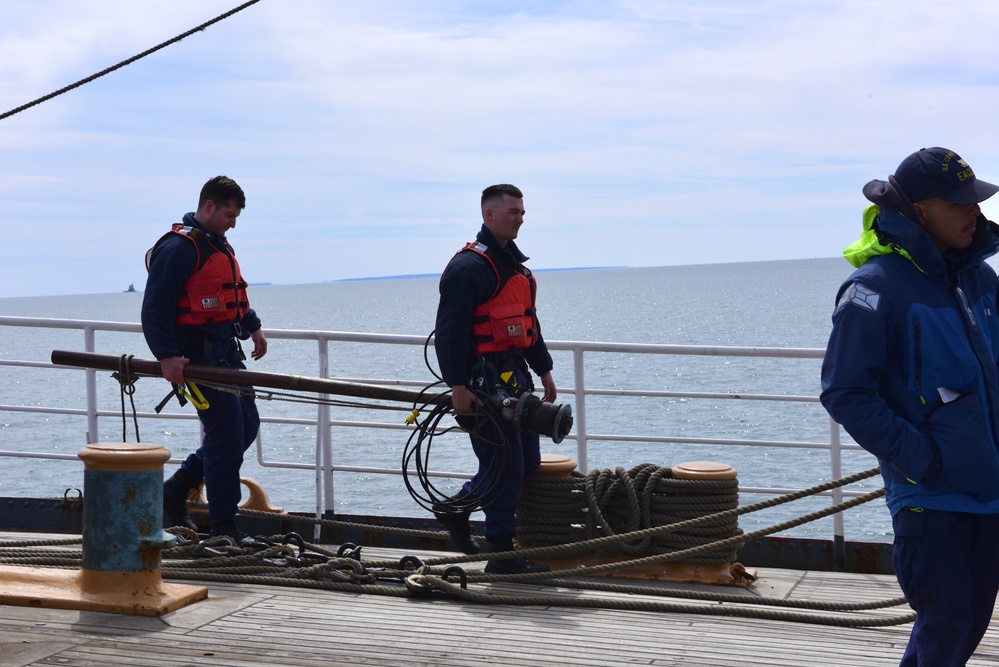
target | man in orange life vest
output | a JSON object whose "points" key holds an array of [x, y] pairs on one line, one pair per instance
{"points": [[195, 310], [487, 335]]}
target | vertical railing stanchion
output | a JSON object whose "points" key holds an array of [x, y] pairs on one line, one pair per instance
{"points": [[324, 443], [836, 460], [90, 378], [579, 413]]}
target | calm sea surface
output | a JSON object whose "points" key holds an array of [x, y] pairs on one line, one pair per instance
{"points": [[762, 304]]}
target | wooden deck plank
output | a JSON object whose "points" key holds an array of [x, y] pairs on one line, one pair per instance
{"points": [[265, 625]]}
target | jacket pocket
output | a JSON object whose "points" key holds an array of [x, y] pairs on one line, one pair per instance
{"points": [[965, 459]]}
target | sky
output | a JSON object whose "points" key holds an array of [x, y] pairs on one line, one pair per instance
{"points": [[642, 132]]}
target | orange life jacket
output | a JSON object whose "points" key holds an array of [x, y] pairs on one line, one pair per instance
{"points": [[215, 291], [505, 321]]}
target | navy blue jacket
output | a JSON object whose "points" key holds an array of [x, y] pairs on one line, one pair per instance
{"points": [[910, 367], [467, 282], [170, 266]]}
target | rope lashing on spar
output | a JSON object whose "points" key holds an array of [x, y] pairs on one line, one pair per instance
{"points": [[126, 381]]}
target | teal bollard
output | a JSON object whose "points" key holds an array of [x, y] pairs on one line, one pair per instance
{"points": [[123, 507], [122, 541]]}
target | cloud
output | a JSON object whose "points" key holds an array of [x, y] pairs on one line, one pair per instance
{"points": [[643, 133]]}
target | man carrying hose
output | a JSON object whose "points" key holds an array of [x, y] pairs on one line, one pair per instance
{"points": [[487, 336]]}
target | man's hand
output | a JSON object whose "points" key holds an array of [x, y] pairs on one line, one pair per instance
{"points": [[463, 400], [551, 393], [259, 344], [173, 368]]}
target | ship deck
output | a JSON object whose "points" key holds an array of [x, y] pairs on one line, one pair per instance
{"points": [[251, 624]]}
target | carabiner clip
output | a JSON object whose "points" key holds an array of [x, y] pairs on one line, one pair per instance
{"points": [[196, 397]]}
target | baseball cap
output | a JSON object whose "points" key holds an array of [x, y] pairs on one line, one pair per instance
{"points": [[938, 172]]}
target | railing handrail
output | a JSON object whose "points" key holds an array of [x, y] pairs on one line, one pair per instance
{"points": [[324, 466]]}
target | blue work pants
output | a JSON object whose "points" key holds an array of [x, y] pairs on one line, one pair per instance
{"points": [[946, 566], [231, 424], [504, 464]]}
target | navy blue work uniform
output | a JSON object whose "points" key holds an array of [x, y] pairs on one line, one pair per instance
{"points": [[467, 282], [231, 422], [910, 372]]}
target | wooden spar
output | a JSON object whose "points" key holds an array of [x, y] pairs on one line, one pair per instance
{"points": [[220, 375]]}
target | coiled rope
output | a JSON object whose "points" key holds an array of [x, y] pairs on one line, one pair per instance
{"points": [[560, 510]]}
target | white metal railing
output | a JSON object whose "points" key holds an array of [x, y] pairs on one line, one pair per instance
{"points": [[324, 467]]}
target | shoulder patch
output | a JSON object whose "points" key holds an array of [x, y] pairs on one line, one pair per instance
{"points": [[861, 296]]}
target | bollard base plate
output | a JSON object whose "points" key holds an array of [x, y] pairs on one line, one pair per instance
{"points": [[716, 574], [139, 594]]}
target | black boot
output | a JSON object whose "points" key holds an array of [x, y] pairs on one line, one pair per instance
{"points": [[231, 530], [457, 524], [514, 564], [175, 492]]}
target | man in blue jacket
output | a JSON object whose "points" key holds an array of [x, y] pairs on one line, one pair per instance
{"points": [[195, 310], [487, 336], [910, 372]]}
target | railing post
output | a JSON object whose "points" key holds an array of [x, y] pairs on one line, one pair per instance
{"points": [[324, 444], [579, 414], [90, 378], [836, 460]]}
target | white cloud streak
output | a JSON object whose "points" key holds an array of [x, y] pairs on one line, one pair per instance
{"points": [[643, 133]]}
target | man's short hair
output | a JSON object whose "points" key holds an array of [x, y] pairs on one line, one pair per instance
{"points": [[222, 190], [494, 192]]}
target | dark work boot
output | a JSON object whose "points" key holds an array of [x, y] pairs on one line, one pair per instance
{"points": [[175, 492], [457, 525], [514, 564], [231, 530]]}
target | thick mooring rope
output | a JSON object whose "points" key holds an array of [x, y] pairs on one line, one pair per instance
{"points": [[561, 510], [287, 566], [319, 567]]}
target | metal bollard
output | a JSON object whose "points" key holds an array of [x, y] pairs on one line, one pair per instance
{"points": [[123, 507], [122, 541]]}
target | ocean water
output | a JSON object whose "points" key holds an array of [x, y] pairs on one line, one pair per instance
{"points": [[761, 304]]}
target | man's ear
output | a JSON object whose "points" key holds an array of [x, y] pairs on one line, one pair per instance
{"points": [[918, 208]]}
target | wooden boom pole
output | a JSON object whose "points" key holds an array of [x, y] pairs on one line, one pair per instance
{"points": [[244, 377]]}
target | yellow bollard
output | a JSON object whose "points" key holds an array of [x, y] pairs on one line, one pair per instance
{"points": [[557, 465]]}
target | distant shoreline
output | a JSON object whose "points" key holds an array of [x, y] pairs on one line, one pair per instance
{"points": [[437, 275]]}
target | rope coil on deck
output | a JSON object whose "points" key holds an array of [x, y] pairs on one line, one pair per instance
{"points": [[557, 510]]}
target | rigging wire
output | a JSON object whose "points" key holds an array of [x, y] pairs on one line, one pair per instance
{"points": [[417, 450], [129, 61]]}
